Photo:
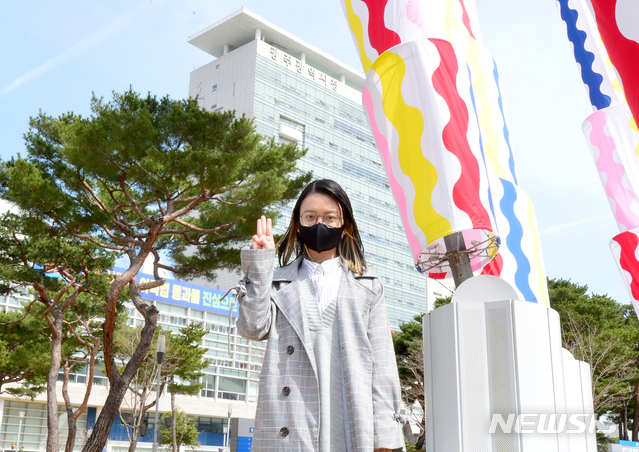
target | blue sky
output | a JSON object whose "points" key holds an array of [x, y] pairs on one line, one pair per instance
{"points": [[56, 54]]}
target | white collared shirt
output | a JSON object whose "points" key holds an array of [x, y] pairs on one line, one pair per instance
{"points": [[326, 278]]}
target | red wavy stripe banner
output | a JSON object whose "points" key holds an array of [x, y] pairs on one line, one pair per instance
{"points": [[466, 19], [454, 136], [381, 38], [617, 21], [628, 243]]}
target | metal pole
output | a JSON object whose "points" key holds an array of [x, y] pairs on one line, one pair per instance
{"points": [[22, 414], [458, 260], [160, 356], [227, 446], [226, 438], [157, 406]]}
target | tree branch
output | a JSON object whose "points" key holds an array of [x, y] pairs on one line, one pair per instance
{"points": [[88, 237], [152, 284], [121, 239], [180, 272], [133, 204], [26, 313], [205, 231], [184, 210], [98, 201]]}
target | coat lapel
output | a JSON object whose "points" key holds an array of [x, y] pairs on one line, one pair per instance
{"points": [[295, 283]]}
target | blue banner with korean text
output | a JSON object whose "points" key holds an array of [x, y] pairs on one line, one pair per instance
{"points": [[187, 295]]}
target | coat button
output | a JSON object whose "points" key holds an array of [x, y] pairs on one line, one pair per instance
{"points": [[290, 349], [286, 391], [284, 431]]}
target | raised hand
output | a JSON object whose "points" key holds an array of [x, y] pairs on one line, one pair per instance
{"points": [[263, 240]]}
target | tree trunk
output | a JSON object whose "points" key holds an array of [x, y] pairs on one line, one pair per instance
{"points": [[119, 386], [422, 439], [72, 417], [625, 421], [134, 437], [174, 425], [635, 417], [53, 430], [71, 420], [135, 428], [102, 426], [73, 428]]}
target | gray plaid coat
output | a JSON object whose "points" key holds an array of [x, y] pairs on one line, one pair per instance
{"points": [[288, 407]]}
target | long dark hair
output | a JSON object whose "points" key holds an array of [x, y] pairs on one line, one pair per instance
{"points": [[350, 249]]}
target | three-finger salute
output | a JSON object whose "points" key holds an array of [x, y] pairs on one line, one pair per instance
{"points": [[264, 240]]}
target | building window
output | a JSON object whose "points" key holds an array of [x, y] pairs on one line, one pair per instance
{"points": [[210, 425], [214, 87], [209, 386], [213, 107], [77, 375], [253, 390], [217, 66], [231, 389], [33, 425]]}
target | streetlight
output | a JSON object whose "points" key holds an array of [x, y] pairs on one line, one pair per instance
{"points": [[22, 414], [228, 429], [160, 356]]}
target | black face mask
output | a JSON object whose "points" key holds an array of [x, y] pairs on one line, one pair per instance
{"points": [[320, 237]]}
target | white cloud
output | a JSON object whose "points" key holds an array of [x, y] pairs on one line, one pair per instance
{"points": [[571, 225], [72, 53]]}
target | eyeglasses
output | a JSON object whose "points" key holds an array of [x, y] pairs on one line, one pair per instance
{"points": [[330, 220]]}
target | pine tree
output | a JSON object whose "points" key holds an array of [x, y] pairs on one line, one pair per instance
{"points": [[147, 177], [67, 280], [24, 354]]}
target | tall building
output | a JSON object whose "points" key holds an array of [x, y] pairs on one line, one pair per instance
{"points": [[297, 93]]}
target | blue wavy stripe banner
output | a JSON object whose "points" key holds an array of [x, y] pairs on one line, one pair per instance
{"points": [[511, 158], [594, 64], [584, 58], [513, 241]]}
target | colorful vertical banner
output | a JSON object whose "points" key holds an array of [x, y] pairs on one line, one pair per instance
{"points": [[625, 249], [434, 103], [429, 142], [378, 25], [520, 260], [613, 140], [597, 72], [605, 40], [618, 24]]}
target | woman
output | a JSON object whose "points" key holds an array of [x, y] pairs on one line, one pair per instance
{"points": [[329, 378]]}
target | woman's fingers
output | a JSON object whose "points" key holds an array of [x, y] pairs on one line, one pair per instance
{"points": [[269, 228], [264, 237], [259, 227]]}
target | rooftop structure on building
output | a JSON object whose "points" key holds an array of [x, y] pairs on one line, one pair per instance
{"points": [[243, 26]]}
